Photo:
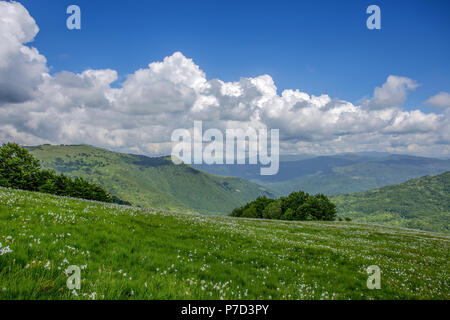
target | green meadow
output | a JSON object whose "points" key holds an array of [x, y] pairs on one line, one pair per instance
{"points": [[134, 253]]}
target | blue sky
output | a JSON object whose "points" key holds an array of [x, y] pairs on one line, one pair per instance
{"points": [[315, 46], [139, 70]]}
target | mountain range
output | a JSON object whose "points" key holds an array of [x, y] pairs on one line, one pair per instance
{"points": [[356, 183], [337, 174], [150, 182]]}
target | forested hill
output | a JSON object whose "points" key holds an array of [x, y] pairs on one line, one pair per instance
{"points": [[422, 203], [150, 182]]}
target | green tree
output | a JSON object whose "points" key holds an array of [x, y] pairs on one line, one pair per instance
{"points": [[273, 210], [317, 207], [260, 204], [250, 212], [288, 215], [18, 168], [295, 200], [297, 206], [237, 212]]}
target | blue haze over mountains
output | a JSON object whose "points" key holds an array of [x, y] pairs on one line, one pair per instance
{"points": [[336, 174]]}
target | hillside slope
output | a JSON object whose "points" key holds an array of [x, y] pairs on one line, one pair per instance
{"points": [[150, 182], [422, 203], [132, 253]]}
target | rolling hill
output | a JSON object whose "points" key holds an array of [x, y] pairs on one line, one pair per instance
{"points": [[150, 182], [338, 174], [135, 253], [422, 203]]}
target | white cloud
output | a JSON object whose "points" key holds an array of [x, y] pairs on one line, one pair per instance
{"points": [[140, 115], [440, 100], [168, 86], [21, 67], [392, 93]]}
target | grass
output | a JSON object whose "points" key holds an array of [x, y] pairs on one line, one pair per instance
{"points": [[133, 253]]}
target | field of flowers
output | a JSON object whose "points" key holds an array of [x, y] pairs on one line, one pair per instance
{"points": [[134, 253]]}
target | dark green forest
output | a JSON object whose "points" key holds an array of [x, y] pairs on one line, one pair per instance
{"points": [[297, 206]]}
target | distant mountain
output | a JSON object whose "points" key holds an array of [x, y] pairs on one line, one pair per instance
{"points": [[294, 157], [338, 174], [422, 203], [288, 169], [374, 154], [150, 182]]}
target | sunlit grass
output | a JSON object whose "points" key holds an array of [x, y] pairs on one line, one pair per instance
{"points": [[132, 253]]}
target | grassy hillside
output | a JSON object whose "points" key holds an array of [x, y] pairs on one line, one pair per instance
{"points": [[150, 182], [132, 253], [338, 174], [422, 203]]}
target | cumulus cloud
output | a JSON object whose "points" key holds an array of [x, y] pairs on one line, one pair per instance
{"points": [[21, 67], [140, 114], [168, 86], [392, 93], [440, 100]]}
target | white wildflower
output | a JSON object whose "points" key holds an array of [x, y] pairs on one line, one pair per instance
{"points": [[5, 250]]}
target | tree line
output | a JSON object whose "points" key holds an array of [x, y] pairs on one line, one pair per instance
{"points": [[297, 206], [20, 170]]}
